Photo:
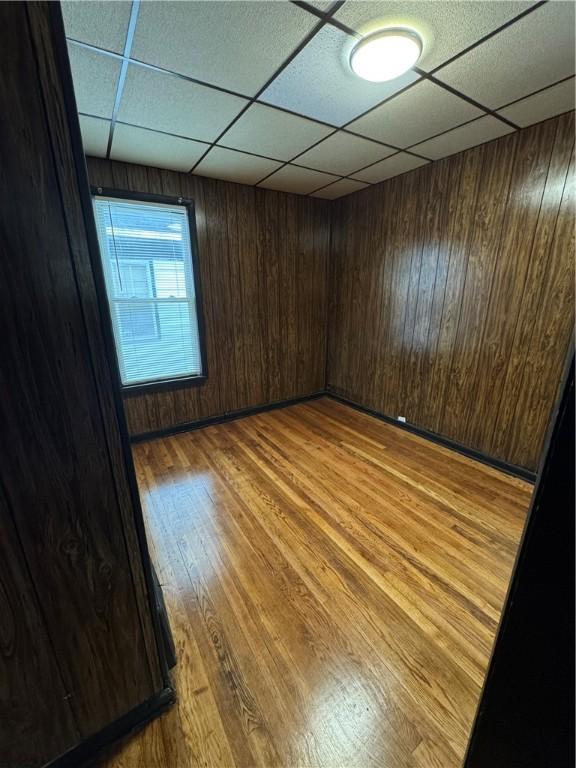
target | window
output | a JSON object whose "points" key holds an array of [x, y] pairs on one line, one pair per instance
{"points": [[146, 252]]}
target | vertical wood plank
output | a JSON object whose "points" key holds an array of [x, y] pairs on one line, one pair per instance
{"points": [[36, 720], [509, 284], [496, 163], [263, 259], [535, 282], [452, 292], [76, 621], [547, 358]]}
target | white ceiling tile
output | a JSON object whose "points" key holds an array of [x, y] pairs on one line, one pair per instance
{"points": [[95, 132], [422, 111], [270, 132], [299, 180], [533, 52], [553, 101], [138, 145], [392, 166], [340, 188], [321, 5], [319, 82], [230, 165], [446, 28], [170, 103], [103, 24], [237, 45], [343, 153], [469, 135], [95, 77]]}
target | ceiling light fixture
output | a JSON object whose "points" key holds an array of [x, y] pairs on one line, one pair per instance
{"points": [[386, 54]]}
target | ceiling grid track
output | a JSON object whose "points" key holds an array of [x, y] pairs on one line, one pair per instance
{"points": [[123, 70], [280, 69], [325, 19]]}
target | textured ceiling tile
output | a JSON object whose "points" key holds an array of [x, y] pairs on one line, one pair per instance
{"points": [[553, 101], [534, 52], [237, 45], [137, 145], [103, 24], [477, 132], [392, 166], [231, 165], [298, 180], [170, 103], [95, 77], [340, 188], [420, 112], [446, 28], [343, 153], [95, 132], [323, 6], [319, 82], [270, 132]]}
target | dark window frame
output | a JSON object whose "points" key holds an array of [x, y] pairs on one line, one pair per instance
{"points": [[182, 381]]}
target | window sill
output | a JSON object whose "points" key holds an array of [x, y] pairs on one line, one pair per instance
{"points": [[160, 386]]}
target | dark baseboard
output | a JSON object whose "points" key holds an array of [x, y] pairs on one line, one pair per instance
{"points": [[132, 721], [164, 622], [504, 466], [227, 416]]}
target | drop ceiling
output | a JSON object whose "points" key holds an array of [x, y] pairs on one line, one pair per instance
{"points": [[261, 93]]}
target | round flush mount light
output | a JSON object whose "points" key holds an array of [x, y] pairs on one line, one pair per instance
{"points": [[386, 54]]}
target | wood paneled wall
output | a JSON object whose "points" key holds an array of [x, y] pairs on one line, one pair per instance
{"points": [[453, 292], [77, 643], [263, 260]]}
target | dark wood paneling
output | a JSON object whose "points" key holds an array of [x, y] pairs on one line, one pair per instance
{"points": [[453, 292], [86, 263], [73, 567], [526, 714], [36, 720], [263, 267]]}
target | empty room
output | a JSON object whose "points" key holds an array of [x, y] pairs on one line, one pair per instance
{"points": [[287, 388]]}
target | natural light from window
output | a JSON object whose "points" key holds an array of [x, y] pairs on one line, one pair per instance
{"points": [[147, 259]]}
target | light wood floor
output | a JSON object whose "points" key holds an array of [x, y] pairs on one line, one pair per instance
{"points": [[334, 586]]}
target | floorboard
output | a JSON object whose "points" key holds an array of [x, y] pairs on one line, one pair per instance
{"points": [[334, 586]]}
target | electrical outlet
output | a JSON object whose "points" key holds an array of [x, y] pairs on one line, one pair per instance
{"points": [[402, 418]]}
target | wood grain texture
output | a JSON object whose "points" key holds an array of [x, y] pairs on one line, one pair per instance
{"points": [[453, 292], [263, 260], [74, 568], [85, 265], [31, 689], [334, 585]]}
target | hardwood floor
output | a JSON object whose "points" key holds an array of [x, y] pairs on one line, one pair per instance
{"points": [[334, 586]]}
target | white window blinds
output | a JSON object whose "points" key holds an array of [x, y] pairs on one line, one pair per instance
{"points": [[147, 259]]}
